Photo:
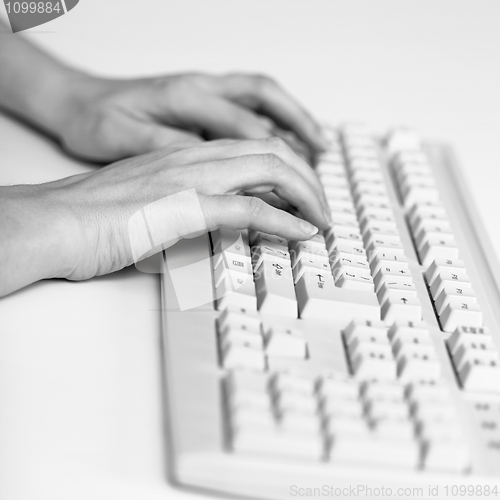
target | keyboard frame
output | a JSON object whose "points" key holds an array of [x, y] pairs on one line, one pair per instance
{"points": [[194, 409]]}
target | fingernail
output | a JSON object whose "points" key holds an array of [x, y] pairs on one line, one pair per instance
{"points": [[308, 229]]}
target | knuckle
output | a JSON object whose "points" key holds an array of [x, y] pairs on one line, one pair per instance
{"points": [[272, 164], [254, 207], [263, 82], [277, 144]]}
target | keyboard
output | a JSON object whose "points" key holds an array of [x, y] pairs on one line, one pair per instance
{"points": [[366, 357]]}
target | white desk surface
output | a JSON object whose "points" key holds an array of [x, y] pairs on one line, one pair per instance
{"points": [[80, 366]]}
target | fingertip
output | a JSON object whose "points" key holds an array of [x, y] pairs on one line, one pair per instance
{"points": [[308, 229]]}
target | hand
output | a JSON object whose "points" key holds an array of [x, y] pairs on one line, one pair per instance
{"points": [[80, 227], [107, 120]]}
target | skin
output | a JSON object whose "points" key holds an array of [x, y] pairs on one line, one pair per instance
{"points": [[156, 130]]}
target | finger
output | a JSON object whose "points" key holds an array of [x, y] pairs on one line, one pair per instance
{"points": [[212, 151], [151, 136], [259, 174], [220, 118], [297, 145], [247, 212], [275, 201], [264, 94]]}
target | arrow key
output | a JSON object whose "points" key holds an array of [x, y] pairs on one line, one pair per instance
{"points": [[401, 308]]}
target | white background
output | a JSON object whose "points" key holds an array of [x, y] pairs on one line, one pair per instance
{"points": [[80, 367]]}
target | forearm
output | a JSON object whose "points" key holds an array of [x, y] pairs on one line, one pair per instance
{"points": [[33, 236], [35, 85]]}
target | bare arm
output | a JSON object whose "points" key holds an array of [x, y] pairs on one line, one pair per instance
{"points": [[106, 120], [33, 84]]}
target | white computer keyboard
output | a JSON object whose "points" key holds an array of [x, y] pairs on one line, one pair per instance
{"points": [[366, 356]]}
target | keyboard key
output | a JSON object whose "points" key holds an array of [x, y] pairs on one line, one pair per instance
{"points": [[296, 401], [403, 139], [427, 211], [460, 312], [470, 353], [285, 342], [392, 270], [359, 175], [242, 337], [400, 340], [236, 294], [315, 293], [232, 269], [269, 254], [419, 393], [351, 261], [233, 320], [437, 248], [378, 227], [257, 418], [418, 363], [304, 249], [364, 164], [401, 308], [247, 381], [362, 449], [410, 156], [311, 266], [440, 265], [236, 251], [291, 382], [344, 424], [460, 339], [449, 293], [224, 238], [481, 373], [352, 249], [384, 243], [408, 330], [373, 212], [331, 180], [334, 406], [299, 421], [365, 331], [237, 355], [395, 429], [373, 362], [425, 411], [446, 455], [258, 238], [340, 388], [397, 289], [245, 398], [415, 195], [386, 258], [353, 278], [275, 290], [387, 410]]}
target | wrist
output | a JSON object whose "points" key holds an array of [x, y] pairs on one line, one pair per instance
{"points": [[38, 232], [74, 90]]}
